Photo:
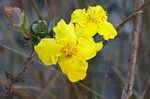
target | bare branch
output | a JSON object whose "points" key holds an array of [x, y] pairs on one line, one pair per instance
{"points": [[16, 91], [125, 20], [128, 90], [132, 15], [27, 61], [36, 9]]}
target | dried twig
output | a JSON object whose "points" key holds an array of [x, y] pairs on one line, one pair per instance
{"points": [[27, 61], [128, 90], [135, 12], [49, 85], [36, 9], [125, 20], [145, 89], [10, 91], [38, 89], [76, 2], [14, 79], [15, 90], [91, 90], [121, 51], [48, 9]]}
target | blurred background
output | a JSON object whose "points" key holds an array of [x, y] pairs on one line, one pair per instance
{"points": [[107, 71]]}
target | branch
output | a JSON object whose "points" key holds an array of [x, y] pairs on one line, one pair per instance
{"points": [[125, 20], [48, 9], [128, 90], [76, 2], [36, 9], [10, 90], [17, 92], [135, 12], [27, 61]]}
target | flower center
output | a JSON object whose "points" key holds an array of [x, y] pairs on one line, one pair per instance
{"points": [[96, 18], [92, 18], [69, 50]]}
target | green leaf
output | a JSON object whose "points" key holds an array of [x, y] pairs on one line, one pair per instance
{"points": [[39, 26], [24, 21], [34, 40]]}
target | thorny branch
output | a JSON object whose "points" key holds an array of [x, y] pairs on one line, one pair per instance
{"points": [[128, 90]]}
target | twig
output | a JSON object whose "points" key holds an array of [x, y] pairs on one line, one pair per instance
{"points": [[125, 20], [48, 9], [41, 78], [128, 90], [121, 51], [132, 14], [91, 90], [15, 90], [145, 89], [35, 88], [76, 2], [49, 85], [76, 91], [36, 9], [27, 61]]}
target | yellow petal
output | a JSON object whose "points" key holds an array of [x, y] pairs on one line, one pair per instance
{"points": [[97, 13], [86, 31], [87, 48], [107, 31], [73, 67], [65, 32], [48, 51], [78, 16]]}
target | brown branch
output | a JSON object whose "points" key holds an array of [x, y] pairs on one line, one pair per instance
{"points": [[76, 2], [27, 61], [16, 91], [10, 90], [121, 51], [36, 9], [128, 90], [48, 9], [125, 20], [135, 12]]}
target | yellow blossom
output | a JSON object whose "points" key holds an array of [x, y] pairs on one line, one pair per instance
{"points": [[71, 52], [92, 21]]}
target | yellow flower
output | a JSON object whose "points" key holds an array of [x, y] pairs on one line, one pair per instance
{"points": [[92, 21], [70, 52]]}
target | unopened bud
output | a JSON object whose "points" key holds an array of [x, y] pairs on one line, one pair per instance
{"points": [[17, 19], [14, 15]]}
